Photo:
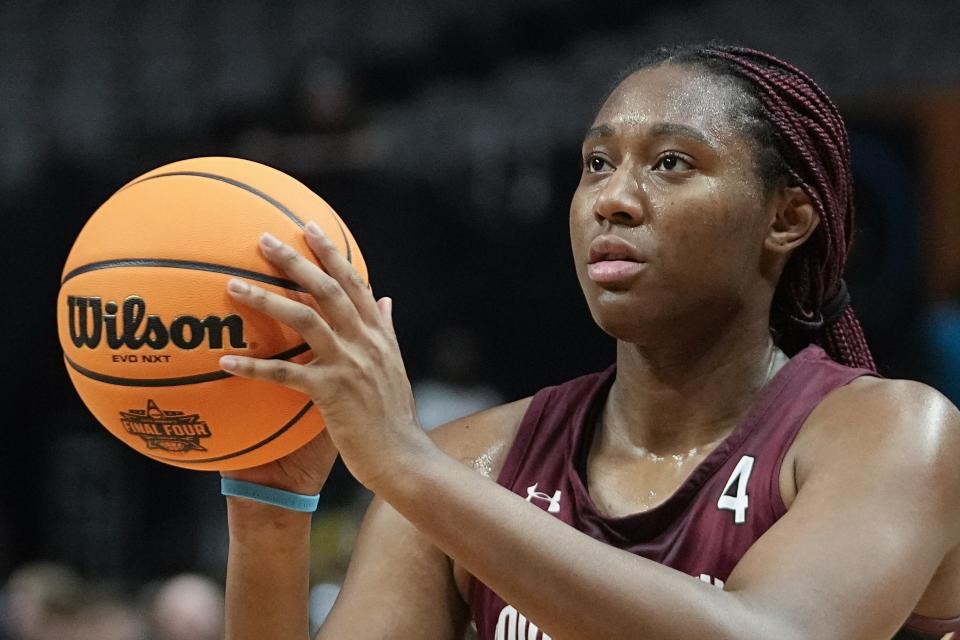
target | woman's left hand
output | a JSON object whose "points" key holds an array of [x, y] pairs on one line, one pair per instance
{"points": [[357, 378]]}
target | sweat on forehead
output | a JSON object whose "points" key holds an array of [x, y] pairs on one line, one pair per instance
{"points": [[681, 94]]}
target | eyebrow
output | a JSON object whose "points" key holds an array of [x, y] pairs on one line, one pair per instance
{"points": [[599, 131], [658, 130]]}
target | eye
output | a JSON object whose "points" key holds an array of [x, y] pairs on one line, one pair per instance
{"points": [[672, 162], [595, 164]]}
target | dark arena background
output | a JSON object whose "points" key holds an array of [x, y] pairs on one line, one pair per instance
{"points": [[447, 136]]}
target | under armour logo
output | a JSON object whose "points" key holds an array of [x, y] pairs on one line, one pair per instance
{"points": [[717, 582], [540, 495]]}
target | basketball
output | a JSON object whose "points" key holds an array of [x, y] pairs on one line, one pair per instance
{"points": [[143, 315]]}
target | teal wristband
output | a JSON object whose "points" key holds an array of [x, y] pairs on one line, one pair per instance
{"points": [[269, 495]]}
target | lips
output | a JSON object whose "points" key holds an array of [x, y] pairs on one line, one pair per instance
{"points": [[610, 248], [613, 260]]}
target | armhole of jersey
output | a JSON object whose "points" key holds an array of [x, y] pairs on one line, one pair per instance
{"points": [[777, 505], [523, 437]]}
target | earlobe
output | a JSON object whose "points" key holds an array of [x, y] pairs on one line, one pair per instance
{"points": [[793, 221]]}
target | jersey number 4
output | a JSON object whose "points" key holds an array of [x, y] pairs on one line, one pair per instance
{"points": [[734, 497]]}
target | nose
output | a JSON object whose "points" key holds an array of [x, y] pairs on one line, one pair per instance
{"points": [[620, 201]]}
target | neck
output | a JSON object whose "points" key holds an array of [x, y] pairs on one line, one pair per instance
{"points": [[685, 394]]}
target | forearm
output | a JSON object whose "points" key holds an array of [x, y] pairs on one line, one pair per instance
{"points": [[267, 572], [569, 584]]}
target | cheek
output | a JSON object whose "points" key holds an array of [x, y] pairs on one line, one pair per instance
{"points": [[713, 241], [580, 217]]}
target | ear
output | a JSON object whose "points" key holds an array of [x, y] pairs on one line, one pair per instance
{"points": [[792, 220]]}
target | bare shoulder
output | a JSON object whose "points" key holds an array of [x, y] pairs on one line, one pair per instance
{"points": [[481, 441], [901, 428], [894, 409]]}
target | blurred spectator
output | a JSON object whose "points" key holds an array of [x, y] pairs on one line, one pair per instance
{"points": [[48, 601], [108, 618], [323, 93], [186, 607], [317, 126], [40, 602], [453, 387]]}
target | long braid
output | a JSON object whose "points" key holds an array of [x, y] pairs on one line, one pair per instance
{"points": [[811, 148]]}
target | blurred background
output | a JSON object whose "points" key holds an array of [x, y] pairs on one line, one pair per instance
{"points": [[447, 136]]}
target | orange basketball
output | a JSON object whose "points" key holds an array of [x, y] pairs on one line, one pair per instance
{"points": [[143, 313]]}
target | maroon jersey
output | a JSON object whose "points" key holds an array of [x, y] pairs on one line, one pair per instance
{"points": [[726, 503]]}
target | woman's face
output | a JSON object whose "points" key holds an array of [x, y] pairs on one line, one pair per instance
{"points": [[668, 222]]}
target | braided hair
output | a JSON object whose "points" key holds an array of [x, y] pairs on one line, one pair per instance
{"points": [[801, 138]]}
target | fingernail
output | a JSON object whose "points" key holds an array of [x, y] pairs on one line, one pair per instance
{"points": [[237, 286], [313, 229], [229, 363], [269, 241]]}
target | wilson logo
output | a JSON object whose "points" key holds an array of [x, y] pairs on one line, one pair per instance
{"points": [[90, 321]]}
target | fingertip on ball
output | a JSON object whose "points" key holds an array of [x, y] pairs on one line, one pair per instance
{"points": [[270, 241], [237, 286], [313, 229], [314, 232]]}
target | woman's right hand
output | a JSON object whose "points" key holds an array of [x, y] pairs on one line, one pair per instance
{"points": [[302, 471], [268, 570]]}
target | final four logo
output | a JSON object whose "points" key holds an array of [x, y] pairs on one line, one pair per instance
{"points": [[172, 431]]}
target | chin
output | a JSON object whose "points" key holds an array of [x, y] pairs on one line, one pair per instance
{"points": [[623, 316]]}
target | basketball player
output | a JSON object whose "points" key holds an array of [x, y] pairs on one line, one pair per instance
{"points": [[741, 472]]}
